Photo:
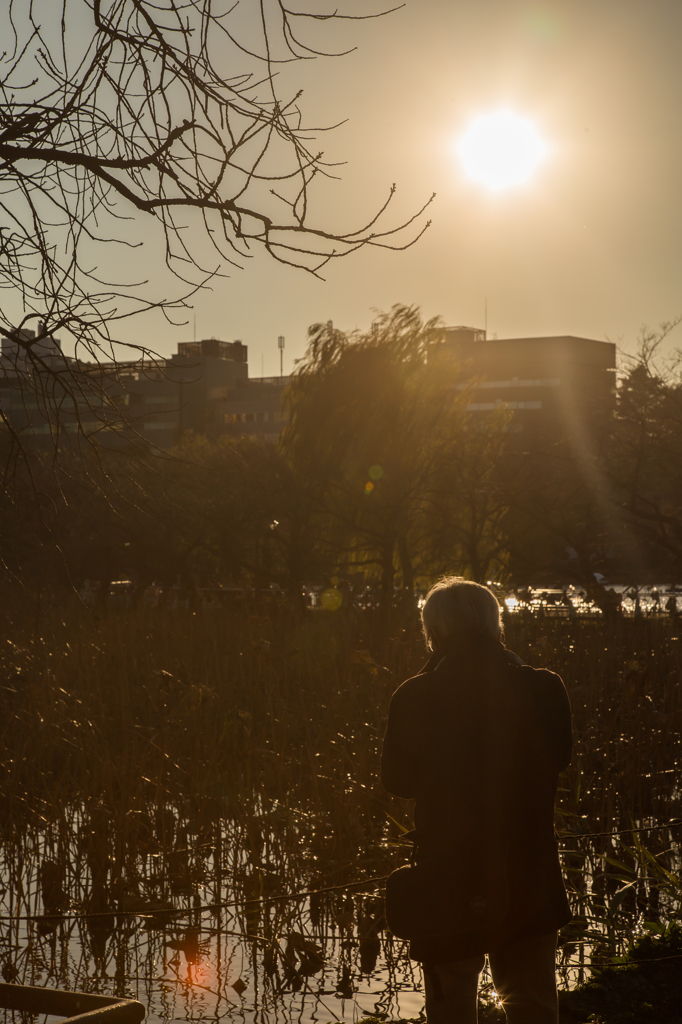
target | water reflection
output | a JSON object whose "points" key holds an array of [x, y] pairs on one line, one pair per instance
{"points": [[194, 939], [189, 947]]}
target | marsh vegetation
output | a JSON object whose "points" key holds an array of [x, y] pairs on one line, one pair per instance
{"points": [[175, 783]]}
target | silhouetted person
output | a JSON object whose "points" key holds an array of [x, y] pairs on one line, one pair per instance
{"points": [[608, 601], [671, 607], [633, 594], [477, 739]]}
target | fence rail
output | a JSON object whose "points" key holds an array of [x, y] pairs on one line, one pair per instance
{"points": [[78, 1006]]}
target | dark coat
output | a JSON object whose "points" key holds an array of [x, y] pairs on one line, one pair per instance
{"points": [[478, 739]]}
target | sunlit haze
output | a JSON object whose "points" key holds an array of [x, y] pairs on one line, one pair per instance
{"points": [[501, 150], [588, 246]]}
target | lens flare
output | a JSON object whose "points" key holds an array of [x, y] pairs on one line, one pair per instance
{"points": [[331, 599]]}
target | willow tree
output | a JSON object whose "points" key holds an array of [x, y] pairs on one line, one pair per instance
{"points": [[378, 422]]}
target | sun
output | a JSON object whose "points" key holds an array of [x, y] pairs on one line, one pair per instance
{"points": [[501, 150]]}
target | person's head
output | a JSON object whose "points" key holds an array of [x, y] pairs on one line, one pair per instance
{"points": [[458, 606]]}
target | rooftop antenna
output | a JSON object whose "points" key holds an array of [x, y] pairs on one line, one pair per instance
{"points": [[280, 345]]}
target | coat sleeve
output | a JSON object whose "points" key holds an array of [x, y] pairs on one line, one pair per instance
{"points": [[400, 757], [557, 716], [563, 725]]}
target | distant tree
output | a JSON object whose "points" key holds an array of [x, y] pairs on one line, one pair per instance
{"points": [[106, 520], [613, 505], [250, 512], [377, 425], [469, 502], [563, 519], [647, 460]]}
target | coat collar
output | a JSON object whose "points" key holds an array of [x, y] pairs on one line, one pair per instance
{"points": [[463, 646]]}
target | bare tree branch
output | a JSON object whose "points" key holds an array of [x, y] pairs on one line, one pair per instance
{"points": [[128, 122]]}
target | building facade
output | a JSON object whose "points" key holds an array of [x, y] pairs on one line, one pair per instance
{"points": [[556, 388], [46, 395]]}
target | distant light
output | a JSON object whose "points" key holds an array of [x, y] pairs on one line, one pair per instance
{"points": [[501, 150]]}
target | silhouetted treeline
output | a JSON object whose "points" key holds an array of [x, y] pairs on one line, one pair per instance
{"points": [[381, 476]]}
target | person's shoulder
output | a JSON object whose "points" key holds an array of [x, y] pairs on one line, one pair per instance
{"points": [[543, 677], [417, 685], [540, 674], [512, 659], [544, 688], [412, 686]]}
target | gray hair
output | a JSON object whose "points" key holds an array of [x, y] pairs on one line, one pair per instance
{"points": [[456, 605]]}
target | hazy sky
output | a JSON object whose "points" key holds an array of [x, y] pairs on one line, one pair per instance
{"points": [[592, 246]]}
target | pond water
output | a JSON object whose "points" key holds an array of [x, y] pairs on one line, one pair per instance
{"points": [[200, 938], [200, 935], [205, 969]]}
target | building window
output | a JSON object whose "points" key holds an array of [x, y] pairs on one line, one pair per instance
{"points": [[515, 382], [248, 417]]}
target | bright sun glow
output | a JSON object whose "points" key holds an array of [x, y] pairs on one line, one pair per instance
{"points": [[500, 150]]}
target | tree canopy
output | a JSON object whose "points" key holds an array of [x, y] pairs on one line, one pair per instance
{"points": [[379, 429], [384, 476]]}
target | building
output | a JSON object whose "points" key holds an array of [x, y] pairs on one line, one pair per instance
{"points": [[254, 408], [47, 395], [187, 392], [557, 388]]}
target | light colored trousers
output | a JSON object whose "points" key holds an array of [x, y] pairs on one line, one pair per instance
{"points": [[524, 979]]}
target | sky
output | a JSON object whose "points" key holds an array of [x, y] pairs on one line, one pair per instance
{"points": [[591, 245]]}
